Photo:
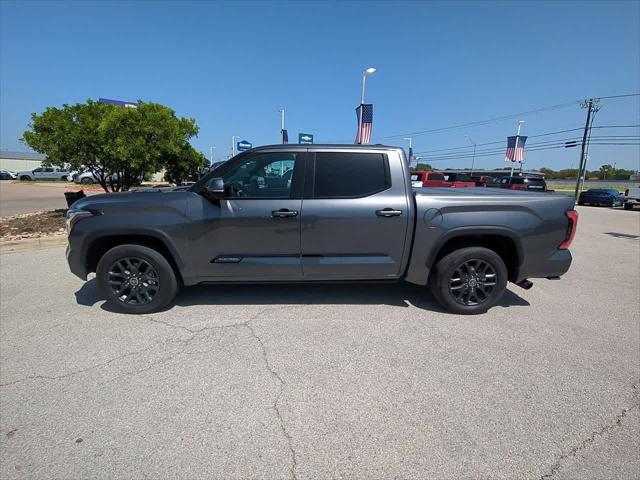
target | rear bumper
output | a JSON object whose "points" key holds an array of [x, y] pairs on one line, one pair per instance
{"points": [[556, 265]]}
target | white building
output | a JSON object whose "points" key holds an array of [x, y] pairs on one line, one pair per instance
{"points": [[20, 161]]}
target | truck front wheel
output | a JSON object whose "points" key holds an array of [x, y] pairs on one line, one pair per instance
{"points": [[136, 279], [469, 281]]}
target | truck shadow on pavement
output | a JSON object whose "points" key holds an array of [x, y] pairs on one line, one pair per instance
{"points": [[396, 294]]}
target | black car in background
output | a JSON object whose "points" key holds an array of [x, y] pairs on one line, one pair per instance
{"points": [[523, 182], [601, 196]]}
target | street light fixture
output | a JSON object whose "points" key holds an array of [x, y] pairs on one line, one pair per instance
{"points": [[365, 74], [473, 160]]}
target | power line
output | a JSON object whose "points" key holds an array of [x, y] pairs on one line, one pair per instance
{"points": [[506, 117], [463, 147], [485, 122]]}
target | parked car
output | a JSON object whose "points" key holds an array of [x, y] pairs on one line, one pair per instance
{"points": [[601, 196], [7, 175], [44, 173], [483, 180], [422, 178], [365, 224], [524, 182], [88, 178], [458, 180], [631, 197]]}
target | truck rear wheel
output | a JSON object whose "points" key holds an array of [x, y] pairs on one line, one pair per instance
{"points": [[136, 279], [469, 281]]}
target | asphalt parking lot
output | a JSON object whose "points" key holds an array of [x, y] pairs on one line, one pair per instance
{"points": [[25, 197], [327, 381]]}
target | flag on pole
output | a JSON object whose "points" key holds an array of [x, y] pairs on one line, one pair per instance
{"points": [[364, 113], [515, 148], [285, 136]]}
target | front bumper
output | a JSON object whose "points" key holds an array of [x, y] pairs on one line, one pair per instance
{"points": [[76, 261]]}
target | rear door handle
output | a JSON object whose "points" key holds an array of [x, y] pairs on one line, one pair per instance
{"points": [[388, 212], [284, 213]]}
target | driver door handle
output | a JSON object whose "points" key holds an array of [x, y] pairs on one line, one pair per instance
{"points": [[388, 212], [284, 213]]}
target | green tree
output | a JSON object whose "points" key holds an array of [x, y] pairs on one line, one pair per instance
{"points": [[117, 145], [422, 167], [184, 166]]}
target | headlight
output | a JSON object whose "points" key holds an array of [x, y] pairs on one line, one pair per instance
{"points": [[74, 216]]}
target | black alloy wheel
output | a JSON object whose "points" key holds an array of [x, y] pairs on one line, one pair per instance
{"points": [[134, 281], [472, 282], [469, 280]]}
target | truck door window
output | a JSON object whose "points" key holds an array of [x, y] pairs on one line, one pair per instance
{"points": [[350, 175], [267, 175]]}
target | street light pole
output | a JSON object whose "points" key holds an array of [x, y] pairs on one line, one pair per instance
{"points": [[211, 154], [233, 145], [520, 122], [473, 160], [410, 140], [365, 73]]}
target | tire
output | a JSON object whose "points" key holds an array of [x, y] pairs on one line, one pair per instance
{"points": [[25, 178], [628, 206], [64, 178], [86, 181], [161, 287], [454, 263]]}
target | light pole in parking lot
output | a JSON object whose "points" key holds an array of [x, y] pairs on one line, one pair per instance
{"points": [[473, 159], [233, 145], [368, 71], [365, 74]]}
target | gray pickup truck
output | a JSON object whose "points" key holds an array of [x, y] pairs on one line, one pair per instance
{"points": [[319, 213]]}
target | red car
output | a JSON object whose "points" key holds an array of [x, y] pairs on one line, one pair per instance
{"points": [[458, 180], [422, 178]]}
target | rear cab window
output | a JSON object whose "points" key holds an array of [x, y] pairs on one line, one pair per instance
{"points": [[350, 175]]}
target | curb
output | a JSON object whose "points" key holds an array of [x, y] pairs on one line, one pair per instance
{"points": [[14, 246]]}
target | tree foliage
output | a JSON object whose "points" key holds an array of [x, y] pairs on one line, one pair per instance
{"points": [[184, 166], [420, 167], [118, 145]]}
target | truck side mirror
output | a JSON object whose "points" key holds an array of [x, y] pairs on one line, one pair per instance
{"points": [[214, 188]]}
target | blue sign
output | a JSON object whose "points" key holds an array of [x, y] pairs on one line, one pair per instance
{"points": [[305, 138], [243, 145], [119, 103]]}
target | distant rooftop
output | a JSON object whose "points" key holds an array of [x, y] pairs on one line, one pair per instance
{"points": [[5, 154]]}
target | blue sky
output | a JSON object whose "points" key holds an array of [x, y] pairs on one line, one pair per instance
{"points": [[232, 65]]}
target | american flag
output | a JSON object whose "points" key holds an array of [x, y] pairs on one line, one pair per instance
{"points": [[285, 136], [515, 149], [364, 113]]}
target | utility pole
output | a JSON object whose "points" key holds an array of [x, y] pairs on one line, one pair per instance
{"points": [[211, 154], [473, 160], [591, 107]]}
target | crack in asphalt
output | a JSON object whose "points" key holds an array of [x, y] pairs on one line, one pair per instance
{"points": [[598, 433], [75, 372], [275, 405], [195, 333]]}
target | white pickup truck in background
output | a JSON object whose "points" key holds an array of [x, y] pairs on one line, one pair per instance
{"points": [[631, 197]]}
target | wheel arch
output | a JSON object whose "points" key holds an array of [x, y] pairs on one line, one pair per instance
{"points": [[101, 245], [502, 241]]}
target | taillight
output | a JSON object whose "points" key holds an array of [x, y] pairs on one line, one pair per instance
{"points": [[572, 216], [626, 192]]}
